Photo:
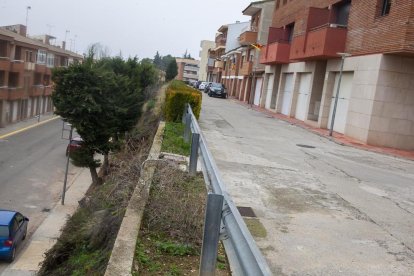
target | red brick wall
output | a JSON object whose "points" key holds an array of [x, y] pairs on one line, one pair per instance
{"points": [[368, 32]]}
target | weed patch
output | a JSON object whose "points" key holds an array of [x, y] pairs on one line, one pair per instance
{"points": [[173, 140]]}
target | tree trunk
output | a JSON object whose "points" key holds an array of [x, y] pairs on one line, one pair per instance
{"points": [[95, 178], [105, 165]]}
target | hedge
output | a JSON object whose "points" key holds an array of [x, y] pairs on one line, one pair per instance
{"points": [[177, 95]]}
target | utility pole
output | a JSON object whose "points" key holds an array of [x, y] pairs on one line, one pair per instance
{"points": [[343, 56], [66, 34], [67, 166]]}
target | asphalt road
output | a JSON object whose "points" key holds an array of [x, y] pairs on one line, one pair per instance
{"points": [[32, 167], [327, 210]]}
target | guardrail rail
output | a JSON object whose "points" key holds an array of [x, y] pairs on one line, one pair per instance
{"points": [[243, 254]]}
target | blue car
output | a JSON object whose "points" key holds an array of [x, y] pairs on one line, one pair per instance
{"points": [[13, 229]]}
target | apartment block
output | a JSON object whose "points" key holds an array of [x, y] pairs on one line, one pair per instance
{"points": [[302, 67], [25, 73], [205, 45], [187, 69]]}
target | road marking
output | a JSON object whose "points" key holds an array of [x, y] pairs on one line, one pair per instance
{"points": [[27, 128]]}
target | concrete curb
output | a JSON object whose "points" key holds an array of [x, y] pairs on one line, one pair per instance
{"points": [[122, 256]]}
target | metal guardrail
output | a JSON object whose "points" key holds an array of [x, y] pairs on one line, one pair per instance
{"points": [[244, 256]]}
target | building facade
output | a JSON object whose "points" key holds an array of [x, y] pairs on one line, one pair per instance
{"points": [[25, 73], [187, 69], [376, 95], [205, 45]]}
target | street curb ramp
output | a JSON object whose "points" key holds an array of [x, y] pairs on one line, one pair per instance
{"points": [[122, 256]]}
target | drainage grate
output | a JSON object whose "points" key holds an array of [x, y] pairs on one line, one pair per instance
{"points": [[246, 212], [305, 146]]}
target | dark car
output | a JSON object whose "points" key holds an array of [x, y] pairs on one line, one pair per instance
{"points": [[74, 144], [217, 90], [13, 230]]}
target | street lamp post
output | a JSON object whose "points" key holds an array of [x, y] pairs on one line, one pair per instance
{"points": [[343, 56], [67, 166], [27, 17]]}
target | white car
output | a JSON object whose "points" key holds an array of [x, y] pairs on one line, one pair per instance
{"points": [[202, 85]]}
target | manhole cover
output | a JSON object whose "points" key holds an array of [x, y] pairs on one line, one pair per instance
{"points": [[246, 212], [45, 210], [305, 146]]}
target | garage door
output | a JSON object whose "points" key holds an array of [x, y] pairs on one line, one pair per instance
{"points": [[303, 95], [258, 89], [269, 90], [287, 93], [343, 101]]}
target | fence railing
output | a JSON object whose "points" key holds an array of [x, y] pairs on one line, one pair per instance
{"points": [[243, 254]]}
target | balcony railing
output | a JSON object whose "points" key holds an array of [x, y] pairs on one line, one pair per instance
{"points": [[17, 66], [220, 40], [48, 90], [4, 92], [319, 43], [248, 37], [219, 64], [29, 66], [246, 68], [278, 48], [4, 64], [37, 90], [15, 93]]}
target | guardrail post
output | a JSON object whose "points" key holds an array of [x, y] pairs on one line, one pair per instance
{"points": [[211, 235], [187, 129], [195, 142]]}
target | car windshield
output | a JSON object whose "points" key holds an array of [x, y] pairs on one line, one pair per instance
{"points": [[4, 231], [216, 85]]}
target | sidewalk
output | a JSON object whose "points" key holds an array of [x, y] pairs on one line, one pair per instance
{"points": [[337, 137], [22, 125], [27, 262]]}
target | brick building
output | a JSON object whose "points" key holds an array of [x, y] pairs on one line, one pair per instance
{"points": [[376, 96], [25, 73]]}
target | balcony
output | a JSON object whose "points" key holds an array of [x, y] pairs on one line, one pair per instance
{"points": [[322, 40], [48, 90], [37, 90], [248, 37], [15, 93], [220, 40], [277, 50], [17, 66], [219, 64], [4, 92], [4, 64], [29, 66], [40, 68], [246, 68]]}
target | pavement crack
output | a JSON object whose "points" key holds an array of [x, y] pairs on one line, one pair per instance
{"points": [[399, 206]]}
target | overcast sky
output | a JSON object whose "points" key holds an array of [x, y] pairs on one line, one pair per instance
{"points": [[134, 27]]}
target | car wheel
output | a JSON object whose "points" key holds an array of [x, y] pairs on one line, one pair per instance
{"points": [[13, 255]]}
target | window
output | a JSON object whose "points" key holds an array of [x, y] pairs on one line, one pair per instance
{"points": [[4, 231], [20, 219], [41, 57], [385, 7], [13, 79], [3, 48], [50, 60], [29, 56]]}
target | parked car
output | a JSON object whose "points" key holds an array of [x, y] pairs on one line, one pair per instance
{"points": [[202, 85], [207, 87], [197, 84], [74, 144], [217, 89], [13, 230]]}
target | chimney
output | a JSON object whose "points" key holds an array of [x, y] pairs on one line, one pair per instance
{"points": [[64, 45]]}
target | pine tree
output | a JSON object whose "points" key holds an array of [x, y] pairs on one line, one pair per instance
{"points": [[172, 70]]}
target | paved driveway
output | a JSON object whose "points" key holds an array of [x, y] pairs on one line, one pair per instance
{"points": [[327, 210]]}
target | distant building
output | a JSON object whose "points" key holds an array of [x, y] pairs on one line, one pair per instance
{"points": [[187, 69], [25, 73], [205, 45]]}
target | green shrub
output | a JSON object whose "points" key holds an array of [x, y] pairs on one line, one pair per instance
{"points": [[178, 94]]}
